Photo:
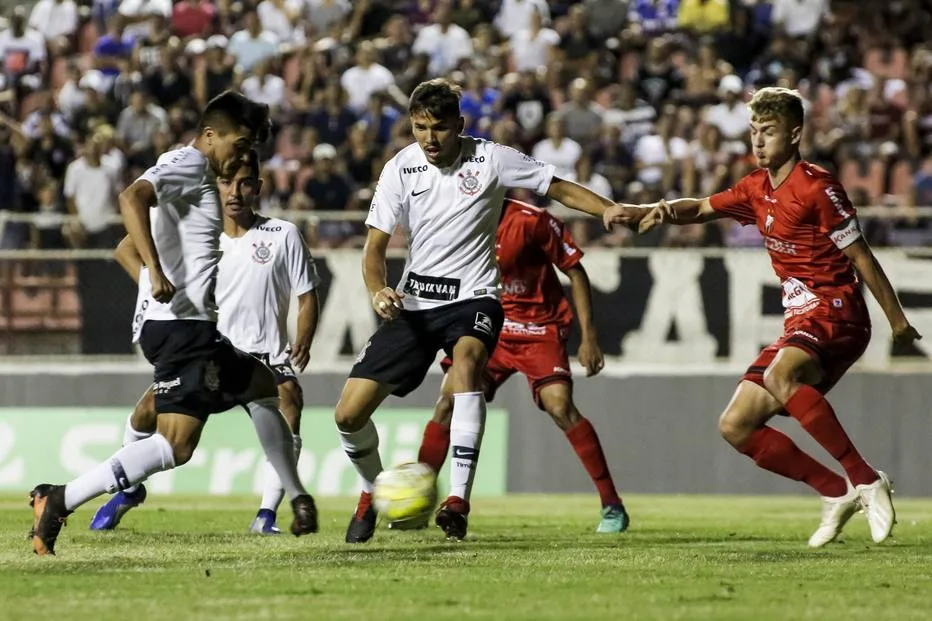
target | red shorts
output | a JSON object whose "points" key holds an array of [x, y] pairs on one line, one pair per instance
{"points": [[542, 362], [835, 345]]}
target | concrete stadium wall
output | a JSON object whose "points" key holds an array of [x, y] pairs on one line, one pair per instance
{"points": [[659, 432]]}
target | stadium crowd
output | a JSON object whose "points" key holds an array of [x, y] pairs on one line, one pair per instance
{"points": [[637, 99]]}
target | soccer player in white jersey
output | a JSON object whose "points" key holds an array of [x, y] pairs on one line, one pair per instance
{"points": [[446, 193], [265, 261], [197, 370]]}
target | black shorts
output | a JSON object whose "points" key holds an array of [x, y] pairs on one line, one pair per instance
{"points": [[284, 372], [197, 370], [402, 350]]}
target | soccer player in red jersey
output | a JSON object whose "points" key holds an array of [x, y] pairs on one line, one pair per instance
{"points": [[529, 242], [816, 248]]}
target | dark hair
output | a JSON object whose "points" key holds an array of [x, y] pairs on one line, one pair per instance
{"points": [[253, 164], [439, 98], [230, 110]]}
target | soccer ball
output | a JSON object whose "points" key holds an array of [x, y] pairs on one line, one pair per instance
{"points": [[408, 491]]}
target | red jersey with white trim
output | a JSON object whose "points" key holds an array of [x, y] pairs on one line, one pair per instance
{"points": [[528, 244], [806, 222]]}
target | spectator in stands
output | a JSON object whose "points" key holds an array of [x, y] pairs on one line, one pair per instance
{"points": [[659, 156], [214, 75], [479, 104], [266, 87], [147, 52], [331, 117], [578, 48], [22, 55], [325, 15], [327, 189], [633, 117], [702, 78], [516, 15], [529, 105], [582, 116], [445, 43], [361, 156], [91, 194], [731, 116], [556, 148], [381, 118], [395, 44], [657, 78], [612, 159], [70, 96], [137, 125], [606, 18], [367, 77], [798, 18], [468, 14], [50, 149], [114, 50], [97, 108], [193, 18], [46, 106], [56, 21], [703, 17], [169, 83], [252, 45], [653, 16], [281, 18], [140, 16], [47, 232], [535, 46]]}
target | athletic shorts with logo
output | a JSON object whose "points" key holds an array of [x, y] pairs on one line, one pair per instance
{"points": [[402, 350], [284, 372], [836, 345], [542, 359], [197, 370]]}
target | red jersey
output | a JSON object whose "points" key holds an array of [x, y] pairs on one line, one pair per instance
{"points": [[528, 243], [806, 222]]}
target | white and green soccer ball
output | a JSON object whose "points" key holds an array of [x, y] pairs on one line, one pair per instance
{"points": [[405, 492]]}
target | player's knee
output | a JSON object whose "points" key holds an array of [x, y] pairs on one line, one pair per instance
{"points": [[468, 363], [563, 411], [144, 417], [291, 400], [734, 428], [780, 383], [182, 451]]}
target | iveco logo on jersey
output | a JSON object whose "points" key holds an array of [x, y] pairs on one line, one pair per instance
{"points": [[473, 159], [432, 287], [414, 169], [269, 229]]}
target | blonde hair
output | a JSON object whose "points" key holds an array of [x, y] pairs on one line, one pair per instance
{"points": [[776, 102]]}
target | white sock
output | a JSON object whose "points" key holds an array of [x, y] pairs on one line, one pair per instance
{"points": [[466, 430], [362, 447], [277, 442], [272, 490], [130, 435], [131, 464]]}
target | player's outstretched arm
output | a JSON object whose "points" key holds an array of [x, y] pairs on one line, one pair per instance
{"points": [[128, 258], [385, 301], [876, 279], [581, 198], [679, 211], [308, 314], [589, 354], [134, 206]]}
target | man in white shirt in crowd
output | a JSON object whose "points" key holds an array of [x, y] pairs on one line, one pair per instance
{"points": [[265, 262], [515, 15], [56, 20], [445, 43], [533, 47], [798, 18], [367, 77], [252, 45], [556, 148], [731, 116], [197, 371], [90, 191], [445, 192]]}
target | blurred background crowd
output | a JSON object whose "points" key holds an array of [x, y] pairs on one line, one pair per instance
{"points": [[637, 99]]}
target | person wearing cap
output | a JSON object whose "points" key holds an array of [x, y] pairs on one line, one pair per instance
{"points": [[731, 116], [328, 190]]}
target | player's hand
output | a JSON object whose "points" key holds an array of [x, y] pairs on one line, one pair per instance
{"points": [[626, 215], [301, 353], [387, 303], [162, 289], [590, 356], [660, 214], [905, 336]]}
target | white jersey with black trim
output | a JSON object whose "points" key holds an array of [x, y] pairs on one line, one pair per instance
{"points": [[259, 272], [186, 226], [450, 216]]}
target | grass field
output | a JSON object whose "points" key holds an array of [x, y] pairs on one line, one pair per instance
{"points": [[527, 557]]}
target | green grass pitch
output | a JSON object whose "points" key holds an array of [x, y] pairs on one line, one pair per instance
{"points": [[527, 557]]}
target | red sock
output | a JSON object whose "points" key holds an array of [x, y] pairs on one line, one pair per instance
{"points": [[818, 418], [776, 452], [585, 442], [435, 445]]}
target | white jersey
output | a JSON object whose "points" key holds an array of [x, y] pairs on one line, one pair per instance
{"points": [[450, 216], [186, 226], [259, 272]]}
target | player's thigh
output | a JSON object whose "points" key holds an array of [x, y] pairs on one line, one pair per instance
{"points": [[358, 401], [751, 406], [470, 333], [144, 417], [544, 362], [398, 355]]}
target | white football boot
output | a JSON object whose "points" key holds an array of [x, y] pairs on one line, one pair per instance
{"points": [[835, 514], [878, 508]]}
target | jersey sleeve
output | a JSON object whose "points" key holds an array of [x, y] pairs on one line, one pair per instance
{"points": [[174, 176], [835, 215], [387, 203], [555, 240], [301, 268], [519, 171], [735, 203]]}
